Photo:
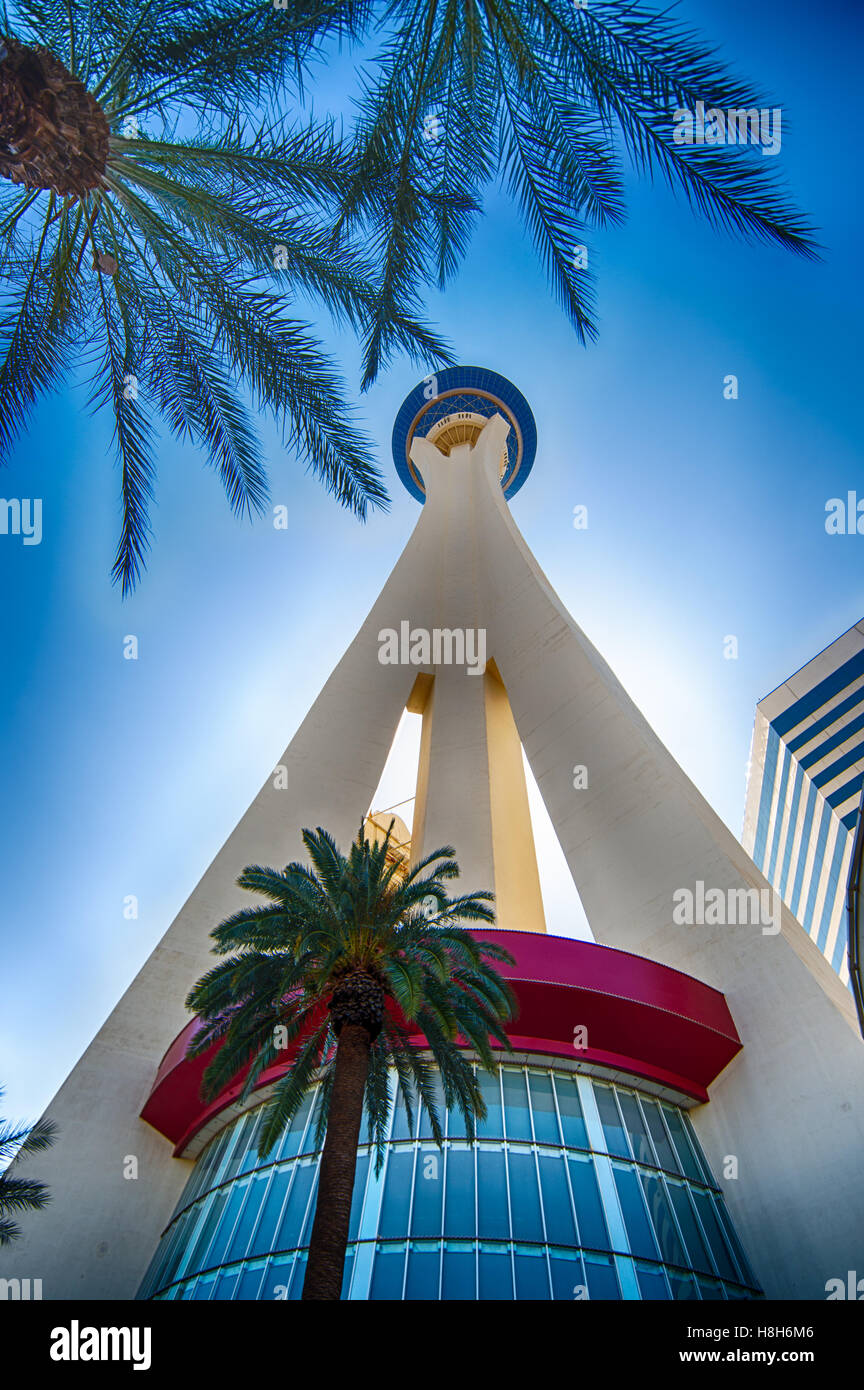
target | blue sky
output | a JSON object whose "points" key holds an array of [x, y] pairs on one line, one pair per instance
{"points": [[706, 518]]}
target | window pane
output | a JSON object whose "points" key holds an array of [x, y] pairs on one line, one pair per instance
{"points": [[401, 1128], [570, 1108], [636, 1128], [543, 1106], [236, 1151], [589, 1212], [493, 1125], [426, 1218], [601, 1276], [496, 1279], [204, 1288], [387, 1272], [658, 1134], [277, 1280], [661, 1217], [532, 1280], [710, 1290], [635, 1217], [213, 1208], [459, 1199], [683, 1286], [293, 1136], [683, 1147], [250, 1280], [652, 1284], [516, 1114], [248, 1217], [699, 1257], [460, 1261], [226, 1284], [711, 1226], [360, 1175], [263, 1240], [492, 1194], [237, 1193], [305, 1172], [524, 1197], [438, 1094], [567, 1274], [397, 1193], [424, 1263], [560, 1229], [616, 1140]]}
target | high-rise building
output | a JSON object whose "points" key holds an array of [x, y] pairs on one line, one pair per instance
{"points": [[804, 789], [682, 1114]]}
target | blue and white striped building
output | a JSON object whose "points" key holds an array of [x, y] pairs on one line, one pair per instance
{"points": [[804, 789]]}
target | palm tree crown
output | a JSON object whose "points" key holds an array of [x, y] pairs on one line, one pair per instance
{"points": [[19, 1194], [347, 960], [152, 226]]}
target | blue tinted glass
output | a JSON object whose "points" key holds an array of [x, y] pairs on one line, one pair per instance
{"points": [[658, 1134], [532, 1280], [560, 1229], [568, 1279], [732, 1238], [661, 1219], [438, 1096], [295, 1291], [601, 1276], [397, 1193], [652, 1284], [613, 1130], [524, 1197], [248, 1216], [426, 1216], [305, 1172], [683, 1286], [204, 1288], [346, 1277], [710, 1290], [459, 1192], [493, 1124], [496, 1279], [214, 1205], [636, 1128], [711, 1226], [250, 1280], [570, 1109], [277, 1280], [635, 1216], [699, 1257], [264, 1237], [226, 1284], [492, 1194], [235, 1152], [543, 1107], [293, 1136], [459, 1278], [401, 1127], [517, 1116], [360, 1175], [424, 1263], [387, 1272], [683, 1147], [589, 1212], [237, 1193]]}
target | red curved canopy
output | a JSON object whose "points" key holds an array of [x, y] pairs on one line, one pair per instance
{"points": [[641, 1018]]}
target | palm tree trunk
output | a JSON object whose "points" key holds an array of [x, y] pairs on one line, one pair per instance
{"points": [[338, 1163]]}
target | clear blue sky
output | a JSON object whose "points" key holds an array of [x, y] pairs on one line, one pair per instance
{"points": [[706, 518]]}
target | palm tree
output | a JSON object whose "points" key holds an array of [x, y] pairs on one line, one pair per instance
{"points": [[21, 1194], [162, 258], [347, 959]]}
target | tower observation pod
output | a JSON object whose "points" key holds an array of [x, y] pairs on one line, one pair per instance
{"points": [[682, 1114]]}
